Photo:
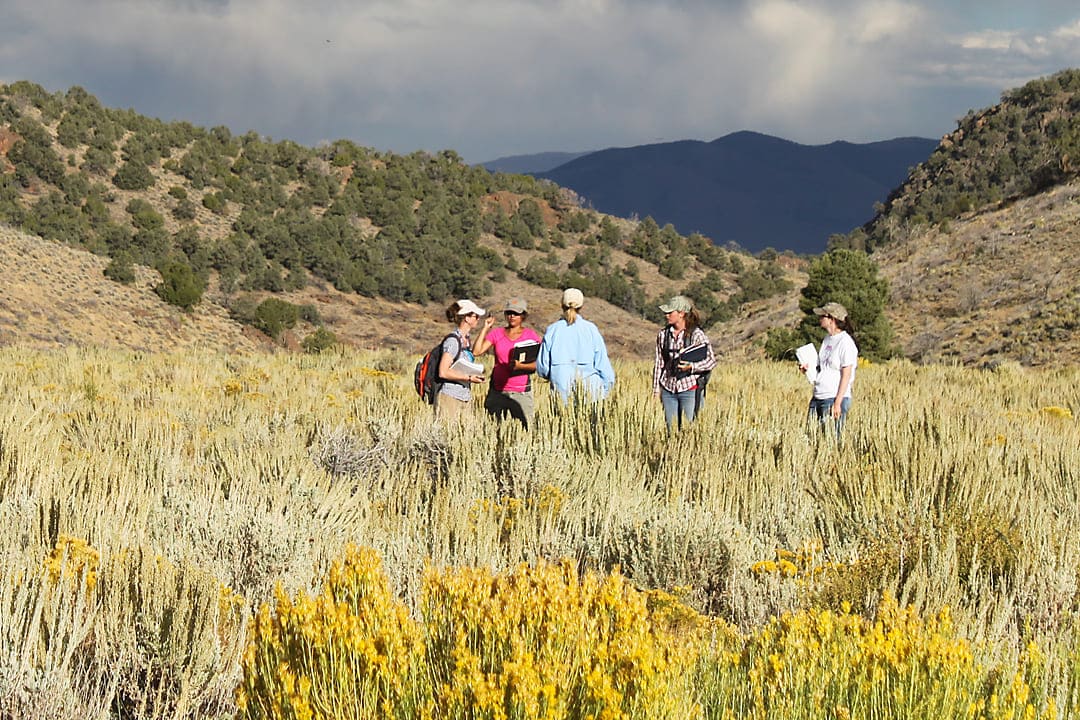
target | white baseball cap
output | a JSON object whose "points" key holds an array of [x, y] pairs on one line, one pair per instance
{"points": [[466, 307], [572, 298]]}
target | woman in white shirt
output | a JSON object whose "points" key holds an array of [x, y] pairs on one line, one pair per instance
{"points": [[837, 360]]}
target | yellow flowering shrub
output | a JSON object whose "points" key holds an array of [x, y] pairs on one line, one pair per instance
{"points": [[821, 663], [542, 642], [1058, 412], [534, 642], [350, 651], [72, 558]]}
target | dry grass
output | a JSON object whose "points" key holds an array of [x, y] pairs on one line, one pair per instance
{"points": [[201, 480]]}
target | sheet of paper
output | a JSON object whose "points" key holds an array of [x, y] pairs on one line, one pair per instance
{"points": [[807, 355]]}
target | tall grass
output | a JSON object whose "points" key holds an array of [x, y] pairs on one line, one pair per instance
{"points": [[200, 482]]}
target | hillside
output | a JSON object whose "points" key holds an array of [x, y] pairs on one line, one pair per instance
{"points": [[338, 230], [56, 296], [755, 190], [979, 244], [999, 285], [982, 263], [1027, 143]]}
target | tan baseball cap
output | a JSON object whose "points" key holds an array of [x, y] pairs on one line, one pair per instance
{"points": [[679, 303], [517, 304], [833, 309]]}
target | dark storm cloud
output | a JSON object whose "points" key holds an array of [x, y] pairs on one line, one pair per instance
{"points": [[490, 78]]}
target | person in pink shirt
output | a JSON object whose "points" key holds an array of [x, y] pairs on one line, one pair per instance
{"points": [[511, 380]]}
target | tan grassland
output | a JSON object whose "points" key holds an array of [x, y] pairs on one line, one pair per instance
{"points": [[149, 502]]}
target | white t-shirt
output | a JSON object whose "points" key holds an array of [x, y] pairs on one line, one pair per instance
{"points": [[837, 351]]}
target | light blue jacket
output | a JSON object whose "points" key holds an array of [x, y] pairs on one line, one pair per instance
{"points": [[575, 352]]}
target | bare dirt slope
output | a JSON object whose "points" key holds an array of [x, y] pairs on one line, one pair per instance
{"points": [[54, 295], [998, 285]]}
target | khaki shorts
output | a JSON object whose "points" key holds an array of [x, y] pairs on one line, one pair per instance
{"points": [[450, 409]]}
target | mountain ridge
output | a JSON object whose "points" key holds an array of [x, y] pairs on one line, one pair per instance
{"points": [[753, 189], [529, 164]]}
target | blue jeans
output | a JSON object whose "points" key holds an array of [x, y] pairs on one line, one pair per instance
{"points": [[677, 405], [821, 410]]}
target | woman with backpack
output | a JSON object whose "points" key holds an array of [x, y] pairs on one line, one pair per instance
{"points": [[684, 359], [455, 391], [511, 384]]}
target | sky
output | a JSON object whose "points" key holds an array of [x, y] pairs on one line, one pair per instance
{"points": [[493, 78]]}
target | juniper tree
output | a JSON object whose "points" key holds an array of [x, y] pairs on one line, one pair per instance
{"points": [[850, 278]]}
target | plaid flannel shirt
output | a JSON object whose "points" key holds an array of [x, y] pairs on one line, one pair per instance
{"points": [[664, 374]]}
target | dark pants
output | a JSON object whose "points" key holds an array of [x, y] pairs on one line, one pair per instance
{"points": [[517, 405]]}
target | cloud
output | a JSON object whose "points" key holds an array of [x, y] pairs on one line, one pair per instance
{"points": [[490, 77]]}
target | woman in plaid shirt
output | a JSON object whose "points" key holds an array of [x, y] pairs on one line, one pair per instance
{"points": [[684, 357]]}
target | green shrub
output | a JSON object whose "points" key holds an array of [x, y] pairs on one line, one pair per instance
{"points": [[120, 269], [184, 210], [310, 314], [321, 339], [179, 285], [133, 175], [274, 316], [574, 222], [214, 202], [780, 343]]}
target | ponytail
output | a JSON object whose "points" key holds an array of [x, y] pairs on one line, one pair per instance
{"points": [[849, 327], [693, 318]]}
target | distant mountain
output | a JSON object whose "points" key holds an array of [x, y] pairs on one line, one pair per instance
{"points": [[531, 164], [756, 190]]}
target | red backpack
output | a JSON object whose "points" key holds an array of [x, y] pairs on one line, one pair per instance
{"points": [[426, 375]]}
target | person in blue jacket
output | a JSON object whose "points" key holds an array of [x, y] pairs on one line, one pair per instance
{"points": [[573, 352]]}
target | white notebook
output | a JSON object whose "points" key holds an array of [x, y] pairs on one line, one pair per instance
{"points": [[807, 355], [467, 367]]}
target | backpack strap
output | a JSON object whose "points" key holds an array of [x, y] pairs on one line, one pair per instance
{"points": [[457, 354], [667, 351]]}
